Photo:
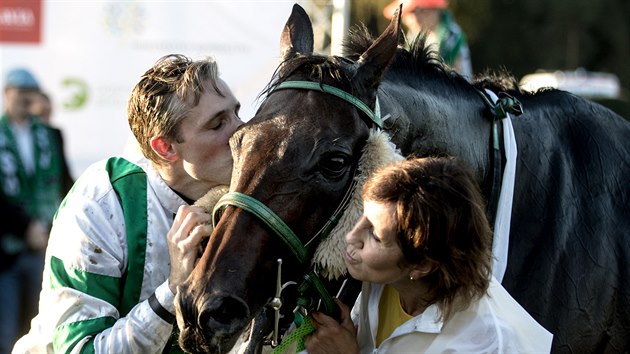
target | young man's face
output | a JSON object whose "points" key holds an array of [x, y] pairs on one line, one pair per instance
{"points": [[204, 151]]}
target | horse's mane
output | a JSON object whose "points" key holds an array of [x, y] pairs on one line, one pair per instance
{"points": [[419, 59], [415, 59], [498, 81]]}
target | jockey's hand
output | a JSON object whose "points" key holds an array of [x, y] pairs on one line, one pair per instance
{"points": [[191, 225], [331, 336]]}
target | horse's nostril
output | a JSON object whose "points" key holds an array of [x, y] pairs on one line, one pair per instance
{"points": [[223, 312]]}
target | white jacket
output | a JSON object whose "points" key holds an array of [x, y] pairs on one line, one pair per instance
{"points": [[494, 324], [85, 259]]}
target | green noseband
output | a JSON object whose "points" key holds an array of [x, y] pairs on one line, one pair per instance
{"points": [[267, 216]]}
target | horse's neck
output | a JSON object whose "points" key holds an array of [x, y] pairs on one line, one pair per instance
{"points": [[423, 124]]}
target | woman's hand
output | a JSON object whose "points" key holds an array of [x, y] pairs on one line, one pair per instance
{"points": [[331, 336], [191, 225]]}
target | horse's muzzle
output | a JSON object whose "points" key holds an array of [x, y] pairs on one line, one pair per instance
{"points": [[210, 326]]}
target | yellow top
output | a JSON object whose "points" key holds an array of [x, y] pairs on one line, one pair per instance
{"points": [[390, 314]]}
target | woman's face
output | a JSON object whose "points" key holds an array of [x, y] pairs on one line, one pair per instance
{"points": [[373, 253]]}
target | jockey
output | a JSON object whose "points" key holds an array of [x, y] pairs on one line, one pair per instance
{"points": [[127, 235]]}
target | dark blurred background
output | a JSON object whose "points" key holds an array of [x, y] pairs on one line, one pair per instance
{"points": [[529, 36]]}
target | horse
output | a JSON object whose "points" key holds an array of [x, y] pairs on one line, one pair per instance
{"points": [[569, 224]]}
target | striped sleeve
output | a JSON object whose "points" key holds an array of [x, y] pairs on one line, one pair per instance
{"points": [[84, 278], [102, 287]]}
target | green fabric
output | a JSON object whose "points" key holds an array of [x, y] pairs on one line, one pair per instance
{"points": [[38, 193], [68, 335], [451, 38], [130, 183], [104, 287]]}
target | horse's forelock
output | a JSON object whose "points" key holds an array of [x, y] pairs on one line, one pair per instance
{"points": [[312, 67]]}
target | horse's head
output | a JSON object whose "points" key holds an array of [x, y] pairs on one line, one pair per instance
{"points": [[293, 163]]}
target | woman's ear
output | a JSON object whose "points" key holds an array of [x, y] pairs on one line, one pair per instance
{"points": [[422, 270], [163, 147]]}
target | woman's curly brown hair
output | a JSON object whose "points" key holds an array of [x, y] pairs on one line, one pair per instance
{"points": [[441, 222]]}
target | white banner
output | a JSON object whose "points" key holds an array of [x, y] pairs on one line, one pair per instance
{"points": [[90, 55]]}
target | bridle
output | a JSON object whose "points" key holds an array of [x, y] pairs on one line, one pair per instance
{"points": [[505, 104], [256, 208], [302, 252]]}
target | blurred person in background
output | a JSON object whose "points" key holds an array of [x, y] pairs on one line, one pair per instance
{"points": [[41, 107], [31, 180], [434, 17]]}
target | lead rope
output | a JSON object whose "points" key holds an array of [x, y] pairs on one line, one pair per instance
{"points": [[298, 336], [302, 321]]}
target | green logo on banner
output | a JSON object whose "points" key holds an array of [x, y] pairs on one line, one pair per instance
{"points": [[79, 93]]}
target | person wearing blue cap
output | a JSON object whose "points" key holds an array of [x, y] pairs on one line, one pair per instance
{"points": [[30, 185]]}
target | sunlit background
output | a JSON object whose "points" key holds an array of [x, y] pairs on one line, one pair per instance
{"points": [[88, 55]]}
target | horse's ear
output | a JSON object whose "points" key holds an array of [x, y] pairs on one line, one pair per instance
{"points": [[297, 35], [374, 61]]}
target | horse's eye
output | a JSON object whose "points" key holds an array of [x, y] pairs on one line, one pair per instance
{"points": [[334, 166]]}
